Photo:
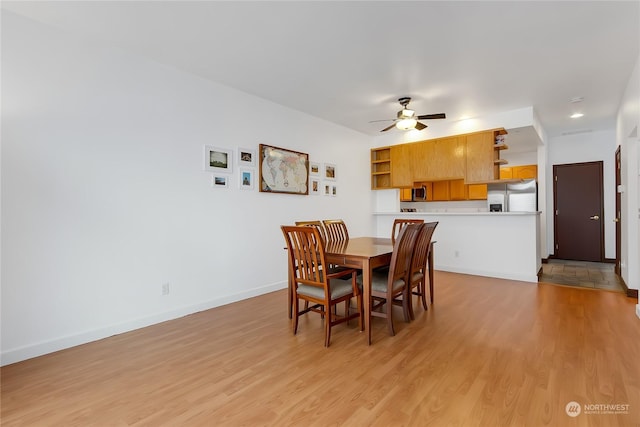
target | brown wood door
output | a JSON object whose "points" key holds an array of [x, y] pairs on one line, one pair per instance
{"points": [[578, 205], [618, 217]]}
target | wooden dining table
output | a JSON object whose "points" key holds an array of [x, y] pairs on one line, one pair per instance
{"points": [[365, 253]]}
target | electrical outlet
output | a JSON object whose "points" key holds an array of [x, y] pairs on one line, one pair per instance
{"points": [[456, 254], [165, 288]]}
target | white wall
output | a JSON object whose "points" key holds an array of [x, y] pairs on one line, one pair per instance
{"points": [[104, 198], [579, 148], [627, 129]]}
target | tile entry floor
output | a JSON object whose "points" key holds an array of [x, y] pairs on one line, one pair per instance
{"points": [[594, 275]]}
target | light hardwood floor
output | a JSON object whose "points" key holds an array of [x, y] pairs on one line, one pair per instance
{"points": [[490, 352]]}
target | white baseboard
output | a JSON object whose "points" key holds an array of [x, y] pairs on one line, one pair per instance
{"points": [[531, 278], [638, 310], [46, 347]]}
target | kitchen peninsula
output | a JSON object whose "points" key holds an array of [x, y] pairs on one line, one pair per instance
{"points": [[495, 244]]}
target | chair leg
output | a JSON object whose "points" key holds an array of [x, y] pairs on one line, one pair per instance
{"points": [[409, 297], [347, 310], [327, 328], [389, 308], [423, 294], [295, 315], [405, 308]]}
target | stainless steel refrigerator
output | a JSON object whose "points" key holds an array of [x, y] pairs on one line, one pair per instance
{"points": [[513, 197]]}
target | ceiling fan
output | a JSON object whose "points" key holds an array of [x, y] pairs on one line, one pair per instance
{"points": [[407, 118]]}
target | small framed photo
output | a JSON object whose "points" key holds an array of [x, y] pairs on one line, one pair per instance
{"points": [[314, 168], [247, 179], [218, 159], [326, 189], [246, 157], [314, 186], [220, 181], [334, 190], [329, 171]]}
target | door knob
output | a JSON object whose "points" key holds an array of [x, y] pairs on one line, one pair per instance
{"points": [[594, 218], [616, 220]]}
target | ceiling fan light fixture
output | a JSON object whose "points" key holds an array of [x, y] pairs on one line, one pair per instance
{"points": [[406, 124], [406, 113]]}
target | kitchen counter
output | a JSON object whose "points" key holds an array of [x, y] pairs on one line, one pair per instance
{"points": [[493, 244]]}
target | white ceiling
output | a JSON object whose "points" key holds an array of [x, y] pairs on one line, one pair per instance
{"points": [[349, 62]]}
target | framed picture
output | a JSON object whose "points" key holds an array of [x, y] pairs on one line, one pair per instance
{"points": [[330, 171], [334, 190], [246, 181], [326, 189], [314, 168], [246, 157], [283, 170], [314, 186], [218, 159], [220, 181]]}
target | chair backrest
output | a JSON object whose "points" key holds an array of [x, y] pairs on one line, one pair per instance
{"points": [[399, 223], [316, 224], [306, 253], [421, 248], [336, 230], [402, 250]]}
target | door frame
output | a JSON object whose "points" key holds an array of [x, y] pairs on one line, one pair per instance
{"points": [[618, 217]]}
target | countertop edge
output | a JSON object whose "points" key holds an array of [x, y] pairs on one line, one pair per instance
{"points": [[409, 214]]}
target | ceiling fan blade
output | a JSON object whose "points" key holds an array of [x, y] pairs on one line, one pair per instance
{"points": [[420, 126], [432, 116], [383, 120], [388, 127]]}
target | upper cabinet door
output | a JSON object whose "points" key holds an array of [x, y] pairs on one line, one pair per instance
{"points": [[526, 172], [447, 158], [480, 157], [401, 173]]}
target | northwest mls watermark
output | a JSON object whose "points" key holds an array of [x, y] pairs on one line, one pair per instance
{"points": [[573, 409]]}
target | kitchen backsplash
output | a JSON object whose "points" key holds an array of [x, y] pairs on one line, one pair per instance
{"points": [[461, 206]]}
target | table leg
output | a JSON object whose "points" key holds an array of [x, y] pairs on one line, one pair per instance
{"points": [[366, 297], [431, 272]]}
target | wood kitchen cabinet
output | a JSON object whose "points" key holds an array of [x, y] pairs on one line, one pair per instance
{"points": [[401, 171], [480, 154], [483, 156], [380, 168], [519, 172], [458, 190], [440, 191], [473, 157], [525, 172], [448, 161], [406, 194], [477, 191]]}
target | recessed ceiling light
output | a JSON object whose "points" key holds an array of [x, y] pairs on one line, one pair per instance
{"points": [[576, 115], [576, 99]]}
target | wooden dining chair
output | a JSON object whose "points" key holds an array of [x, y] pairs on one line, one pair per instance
{"points": [[391, 285], [418, 273], [336, 230], [318, 225], [399, 223], [312, 283]]}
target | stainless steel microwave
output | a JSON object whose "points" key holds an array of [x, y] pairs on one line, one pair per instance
{"points": [[419, 194]]}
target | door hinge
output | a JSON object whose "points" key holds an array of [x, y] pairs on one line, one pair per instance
{"points": [[556, 212], [556, 246], [556, 178]]}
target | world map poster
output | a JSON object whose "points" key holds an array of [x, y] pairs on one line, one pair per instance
{"points": [[283, 171]]}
